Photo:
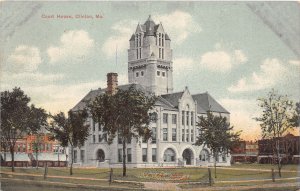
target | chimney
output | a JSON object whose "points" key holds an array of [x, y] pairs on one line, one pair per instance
{"points": [[112, 83]]}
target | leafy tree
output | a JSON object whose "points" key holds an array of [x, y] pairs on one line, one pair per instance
{"points": [[216, 134], [124, 114], [36, 145], [72, 131], [18, 118], [275, 120]]}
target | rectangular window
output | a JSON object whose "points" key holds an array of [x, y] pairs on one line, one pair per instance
{"points": [[94, 138], [154, 155], [105, 137], [144, 154], [182, 135], [162, 53], [154, 133], [129, 141], [129, 155], [187, 117], [192, 135], [137, 53], [82, 155], [94, 125], [144, 140], [182, 118], [159, 53], [192, 118], [187, 135], [140, 53], [99, 138], [120, 155], [119, 138], [75, 156], [158, 73], [137, 74], [174, 118], [165, 118], [163, 74], [174, 134], [142, 73], [165, 134]]}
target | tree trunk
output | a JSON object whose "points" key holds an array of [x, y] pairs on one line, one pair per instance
{"points": [[72, 160], [12, 152], [278, 158], [37, 160], [215, 165], [124, 157]]}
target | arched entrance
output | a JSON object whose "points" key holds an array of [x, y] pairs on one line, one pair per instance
{"points": [[100, 155], [188, 156], [169, 155]]}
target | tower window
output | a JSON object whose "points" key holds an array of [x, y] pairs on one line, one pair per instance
{"points": [[140, 53], [163, 74], [142, 73], [159, 42], [162, 40], [137, 53], [162, 53], [158, 73], [137, 74], [159, 52]]}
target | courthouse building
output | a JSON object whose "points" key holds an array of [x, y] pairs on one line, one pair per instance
{"points": [[150, 69]]}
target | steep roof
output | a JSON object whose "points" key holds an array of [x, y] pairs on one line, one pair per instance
{"points": [[173, 98], [94, 93], [206, 102]]}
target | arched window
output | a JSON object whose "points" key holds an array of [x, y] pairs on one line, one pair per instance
{"points": [[204, 155], [169, 155]]}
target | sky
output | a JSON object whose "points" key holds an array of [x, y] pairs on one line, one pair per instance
{"points": [[223, 48]]}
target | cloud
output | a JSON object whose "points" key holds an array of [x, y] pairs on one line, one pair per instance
{"points": [[221, 60], [73, 44], [242, 114], [178, 24], [271, 72], [123, 29], [23, 59], [294, 62]]}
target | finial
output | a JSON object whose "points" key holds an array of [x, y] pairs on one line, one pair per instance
{"points": [[149, 17]]}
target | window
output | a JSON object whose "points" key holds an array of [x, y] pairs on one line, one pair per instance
{"points": [[140, 53], [153, 117], [192, 118], [142, 73], [187, 117], [154, 134], [159, 53], [99, 127], [163, 74], [94, 125], [82, 155], [94, 139], [24, 148], [165, 134], [174, 118], [169, 155], [158, 73], [187, 135], [192, 135], [128, 154], [75, 156], [182, 135], [19, 148], [162, 53], [144, 151], [174, 134], [140, 39], [105, 137], [182, 118], [162, 40], [137, 53], [137, 74], [159, 42], [99, 138], [204, 156], [224, 158], [129, 141], [144, 140], [120, 155], [165, 118], [119, 138], [154, 155]]}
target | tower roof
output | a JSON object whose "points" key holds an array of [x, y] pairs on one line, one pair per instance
{"points": [[150, 27]]}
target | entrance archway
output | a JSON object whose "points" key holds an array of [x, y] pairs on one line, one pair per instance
{"points": [[188, 156], [100, 155]]}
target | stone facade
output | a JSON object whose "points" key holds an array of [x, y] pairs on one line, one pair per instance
{"points": [[174, 131]]}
